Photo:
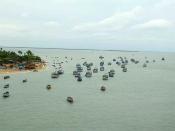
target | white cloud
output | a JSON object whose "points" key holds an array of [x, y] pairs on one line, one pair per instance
{"points": [[51, 23], [10, 28], [115, 22], [154, 24]]}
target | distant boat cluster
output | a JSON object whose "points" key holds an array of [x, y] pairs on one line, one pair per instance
{"points": [[85, 70]]}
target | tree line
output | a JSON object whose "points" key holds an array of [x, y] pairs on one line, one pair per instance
{"points": [[11, 56]]}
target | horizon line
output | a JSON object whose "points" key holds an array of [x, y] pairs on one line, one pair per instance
{"points": [[120, 50]]}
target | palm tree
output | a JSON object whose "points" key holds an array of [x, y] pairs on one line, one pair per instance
{"points": [[20, 52], [29, 53]]}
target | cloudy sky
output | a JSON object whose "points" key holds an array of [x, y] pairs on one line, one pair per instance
{"points": [[97, 24]]}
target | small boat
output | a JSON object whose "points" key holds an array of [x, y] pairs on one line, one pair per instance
{"points": [[118, 63], [147, 61], [144, 65], [101, 57], [77, 75], [112, 71], [6, 94], [136, 62], [54, 75], [132, 60], [78, 65], [60, 72], [101, 63], [79, 69], [25, 80], [123, 66], [6, 86], [70, 99], [79, 78], [6, 77], [126, 61], [88, 68], [48, 87], [91, 64], [111, 74], [88, 74], [85, 63], [163, 58], [102, 68], [109, 63], [105, 77], [95, 70], [75, 72], [103, 88], [125, 69]]}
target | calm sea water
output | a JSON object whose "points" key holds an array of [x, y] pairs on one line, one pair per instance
{"points": [[143, 99]]}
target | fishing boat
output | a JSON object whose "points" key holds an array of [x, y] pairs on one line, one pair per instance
{"points": [[89, 68], [105, 77], [118, 63], [88, 74], [75, 72], [144, 65], [102, 68], [6, 77], [6, 94], [103, 88], [79, 78], [109, 63], [48, 87], [77, 75], [123, 66], [95, 70], [101, 63], [54, 75], [125, 69], [25, 80], [60, 72], [70, 99], [111, 73], [101, 57], [6, 86], [79, 69]]}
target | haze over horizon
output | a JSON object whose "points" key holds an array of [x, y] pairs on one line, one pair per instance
{"points": [[89, 24]]}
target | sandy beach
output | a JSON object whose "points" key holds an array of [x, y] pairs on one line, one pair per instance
{"points": [[41, 67]]}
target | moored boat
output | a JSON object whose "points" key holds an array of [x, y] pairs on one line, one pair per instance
{"points": [[103, 88], [25, 80], [6, 77], [6, 94], [54, 75], [88, 74], [105, 77], [6, 86], [70, 99], [48, 87]]}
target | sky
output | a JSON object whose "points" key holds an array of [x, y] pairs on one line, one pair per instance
{"points": [[145, 25]]}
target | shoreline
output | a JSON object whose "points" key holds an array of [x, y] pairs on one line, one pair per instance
{"points": [[16, 71]]}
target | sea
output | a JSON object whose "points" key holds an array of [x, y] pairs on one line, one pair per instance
{"points": [[141, 99]]}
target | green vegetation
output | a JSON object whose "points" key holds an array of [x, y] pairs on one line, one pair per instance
{"points": [[19, 57]]}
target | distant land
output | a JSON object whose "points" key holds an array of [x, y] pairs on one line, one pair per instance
{"points": [[74, 49]]}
